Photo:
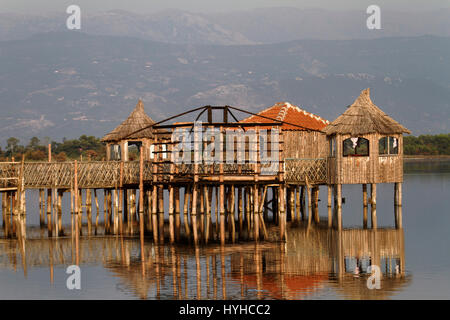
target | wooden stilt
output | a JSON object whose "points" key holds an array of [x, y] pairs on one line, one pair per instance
{"points": [[247, 209], [49, 212], [202, 197], [255, 212], [194, 213], [232, 214], [297, 204], [97, 210], [171, 214], [282, 214], [41, 208], [161, 213], [187, 196], [222, 214], [364, 190], [316, 204], [373, 202], [60, 227], [330, 218], [240, 212], [206, 191], [141, 202], [155, 213], [105, 210], [339, 206], [177, 214], [399, 205], [303, 203], [309, 213], [89, 209]]}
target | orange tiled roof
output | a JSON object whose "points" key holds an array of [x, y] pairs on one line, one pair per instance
{"points": [[284, 111]]}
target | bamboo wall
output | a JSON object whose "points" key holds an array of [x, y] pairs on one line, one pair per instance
{"points": [[304, 144], [365, 169]]}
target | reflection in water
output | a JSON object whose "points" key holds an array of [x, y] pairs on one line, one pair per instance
{"points": [[313, 262]]}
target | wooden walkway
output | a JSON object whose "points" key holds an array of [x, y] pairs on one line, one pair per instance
{"points": [[111, 174]]}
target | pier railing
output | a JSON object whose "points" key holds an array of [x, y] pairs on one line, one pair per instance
{"points": [[109, 174], [92, 174], [297, 170], [9, 175]]}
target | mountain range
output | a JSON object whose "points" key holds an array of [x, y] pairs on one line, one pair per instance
{"points": [[68, 83]]}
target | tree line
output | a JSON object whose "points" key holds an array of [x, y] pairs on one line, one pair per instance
{"points": [[91, 147], [438, 144], [36, 150]]}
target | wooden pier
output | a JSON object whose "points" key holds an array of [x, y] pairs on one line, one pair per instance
{"points": [[218, 200]]}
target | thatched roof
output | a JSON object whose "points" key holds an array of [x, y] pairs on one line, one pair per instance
{"points": [[364, 117], [289, 114], [137, 119]]}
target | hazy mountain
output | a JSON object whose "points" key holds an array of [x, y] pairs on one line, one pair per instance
{"points": [[68, 84], [265, 25]]}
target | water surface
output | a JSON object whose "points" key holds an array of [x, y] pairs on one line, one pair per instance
{"points": [[318, 263]]}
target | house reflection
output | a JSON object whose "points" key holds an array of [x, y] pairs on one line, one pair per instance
{"points": [[312, 263]]}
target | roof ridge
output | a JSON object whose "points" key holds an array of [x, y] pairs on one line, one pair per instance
{"points": [[312, 115]]}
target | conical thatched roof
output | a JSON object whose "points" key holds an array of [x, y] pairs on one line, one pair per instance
{"points": [[138, 119], [364, 117]]}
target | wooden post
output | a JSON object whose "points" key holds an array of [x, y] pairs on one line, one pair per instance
{"points": [[373, 189], [177, 214], [171, 214], [97, 208], [255, 212], [208, 194], [364, 190], [309, 213], [49, 212], [339, 206], [154, 212], [232, 215], [316, 204], [399, 205], [222, 214], [274, 205], [222, 189], [240, 212], [288, 204], [185, 211], [330, 218], [89, 209], [60, 227], [141, 201], [247, 209], [161, 213], [203, 197], [194, 213], [172, 195], [75, 188], [41, 208], [297, 204], [303, 203]]}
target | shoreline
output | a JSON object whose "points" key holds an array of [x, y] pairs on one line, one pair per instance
{"points": [[412, 158]]}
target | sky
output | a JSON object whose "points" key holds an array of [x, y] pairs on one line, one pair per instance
{"points": [[148, 6]]}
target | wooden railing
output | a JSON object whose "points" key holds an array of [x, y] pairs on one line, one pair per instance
{"points": [[297, 170], [93, 174], [107, 174], [9, 175]]}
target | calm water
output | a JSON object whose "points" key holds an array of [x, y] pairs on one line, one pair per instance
{"points": [[315, 264]]}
